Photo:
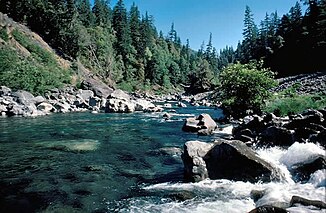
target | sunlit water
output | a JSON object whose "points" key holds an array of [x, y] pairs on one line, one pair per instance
{"points": [[83, 162]]}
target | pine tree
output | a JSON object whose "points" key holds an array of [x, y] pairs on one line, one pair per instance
{"points": [[102, 13], [250, 33], [135, 25], [85, 14]]}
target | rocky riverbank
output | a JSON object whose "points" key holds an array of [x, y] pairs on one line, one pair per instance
{"points": [[70, 99], [304, 83], [238, 159]]}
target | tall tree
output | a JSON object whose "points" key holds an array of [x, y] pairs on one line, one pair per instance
{"points": [[85, 14], [250, 33]]}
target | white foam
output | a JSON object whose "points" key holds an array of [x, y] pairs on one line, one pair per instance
{"points": [[318, 178], [301, 152], [273, 155]]}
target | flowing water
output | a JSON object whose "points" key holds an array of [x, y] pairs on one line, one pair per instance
{"points": [[83, 162]]}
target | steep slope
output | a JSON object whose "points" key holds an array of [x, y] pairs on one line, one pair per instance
{"points": [[28, 63]]}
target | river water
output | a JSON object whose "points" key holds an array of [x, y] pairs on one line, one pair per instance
{"points": [[83, 162]]}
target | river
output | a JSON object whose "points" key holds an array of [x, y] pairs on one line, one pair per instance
{"points": [[83, 162]]}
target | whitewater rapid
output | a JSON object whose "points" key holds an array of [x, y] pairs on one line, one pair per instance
{"points": [[235, 196]]}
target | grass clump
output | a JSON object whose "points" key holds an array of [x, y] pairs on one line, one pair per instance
{"points": [[291, 105]]}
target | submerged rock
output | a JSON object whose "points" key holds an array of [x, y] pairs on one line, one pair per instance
{"points": [[83, 145], [224, 159]]}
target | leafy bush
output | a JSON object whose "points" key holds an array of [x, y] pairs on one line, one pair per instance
{"points": [[27, 74], [292, 105], [245, 87], [3, 34]]}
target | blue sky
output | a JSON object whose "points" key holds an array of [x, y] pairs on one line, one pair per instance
{"points": [[195, 19]]}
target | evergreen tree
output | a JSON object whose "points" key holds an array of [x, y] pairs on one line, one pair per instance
{"points": [[250, 33], [85, 14]]}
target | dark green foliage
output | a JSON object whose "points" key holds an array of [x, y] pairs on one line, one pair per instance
{"points": [[116, 44], [245, 87], [289, 45]]}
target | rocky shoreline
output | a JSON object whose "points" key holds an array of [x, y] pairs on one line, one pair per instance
{"points": [[237, 159]]}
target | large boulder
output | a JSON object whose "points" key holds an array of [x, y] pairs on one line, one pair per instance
{"points": [[4, 91], [98, 87], [23, 97], [119, 106], [85, 94], [45, 107], [193, 159], [119, 94], [203, 124], [224, 159], [143, 105], [119, 102], [279, 136]]}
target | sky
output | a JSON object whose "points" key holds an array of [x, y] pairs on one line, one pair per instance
{"points": [[196, 19]]}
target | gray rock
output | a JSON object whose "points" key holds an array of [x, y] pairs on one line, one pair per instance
{"points": [[3, 108], [143, 105], [203, 122], [23, 97], [268, 209], [98, 87], [191, 125], [166, 116], [85, 94], [62, 107], [15, 110], [303, 171], [45, 107], [38, 99], [4, 91], [119, 106], [225, 159], [119, 94], [194, 165]]}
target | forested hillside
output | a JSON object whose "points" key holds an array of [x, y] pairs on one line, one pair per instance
{"points": [[121, 44], [292, 44]]}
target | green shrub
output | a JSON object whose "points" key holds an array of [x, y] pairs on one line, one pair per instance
{"points": [[27, 74], [245, 87], [4, 35], [292, 105]]}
